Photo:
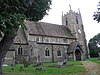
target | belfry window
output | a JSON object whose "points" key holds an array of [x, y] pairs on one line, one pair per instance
{"points": [[47, 52], [66, 21], [19, 50], [76, 20], [58, 52]]}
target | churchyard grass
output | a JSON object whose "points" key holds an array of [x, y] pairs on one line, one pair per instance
{"points": [[96, 60], [72, 67], [74, 62]]}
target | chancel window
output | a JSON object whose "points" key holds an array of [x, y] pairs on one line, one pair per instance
{"points": [[58, 52], [19, 50], [47, 52]]}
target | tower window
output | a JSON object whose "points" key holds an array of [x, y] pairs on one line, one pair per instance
{"points": [[47, 52], [76, 20], [66, 21], [19, 50]]}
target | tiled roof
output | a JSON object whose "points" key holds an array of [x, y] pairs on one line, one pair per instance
{"points": [[73, 46], [42, 28], [47, 29]]}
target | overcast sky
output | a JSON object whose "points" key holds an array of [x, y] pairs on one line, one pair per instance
{"points": [[87, 8]]}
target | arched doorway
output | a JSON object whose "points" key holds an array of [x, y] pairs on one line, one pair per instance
{"points": [[78, 54]]}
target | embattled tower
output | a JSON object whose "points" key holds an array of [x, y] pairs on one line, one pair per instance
{"points": [[74, 22]]}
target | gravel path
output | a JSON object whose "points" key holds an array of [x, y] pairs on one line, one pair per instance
{"points": [[91, 68]]}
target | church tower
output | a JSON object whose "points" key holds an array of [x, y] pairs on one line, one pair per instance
{"points": [[74, 22]]}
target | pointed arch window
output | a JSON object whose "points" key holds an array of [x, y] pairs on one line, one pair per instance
{"points": [[31, 50], [58, 52], [19, 50], [47, 52], [66, 21]]}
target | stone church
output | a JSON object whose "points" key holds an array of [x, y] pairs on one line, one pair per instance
{"points": [[46, 42]]}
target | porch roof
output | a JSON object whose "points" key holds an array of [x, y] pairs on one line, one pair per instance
{"points": [[73, 46]]}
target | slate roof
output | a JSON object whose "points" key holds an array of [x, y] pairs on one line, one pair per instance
{"points": [[73, 46], [42, 29], [48, 29]]}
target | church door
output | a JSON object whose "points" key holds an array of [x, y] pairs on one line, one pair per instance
{"points": [[78, 54]]}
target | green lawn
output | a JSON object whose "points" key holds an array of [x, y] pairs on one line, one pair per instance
{"points": [[74, 62], [94, 60], [72, 67]]}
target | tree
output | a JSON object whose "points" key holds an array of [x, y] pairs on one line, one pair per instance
{"points": [[12, 15], [97, 13], [94, 45]]}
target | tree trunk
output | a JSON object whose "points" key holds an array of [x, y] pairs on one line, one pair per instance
{"points": [[5, 44], [0, 67]]}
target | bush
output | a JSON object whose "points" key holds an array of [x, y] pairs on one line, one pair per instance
{"points": [[21, 68]]}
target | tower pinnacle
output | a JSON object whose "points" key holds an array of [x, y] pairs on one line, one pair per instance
{"points": [[70, 7], [62, 13], [79, 10]]}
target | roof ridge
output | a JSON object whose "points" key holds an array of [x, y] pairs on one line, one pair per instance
{"points": [[51, 23]]}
